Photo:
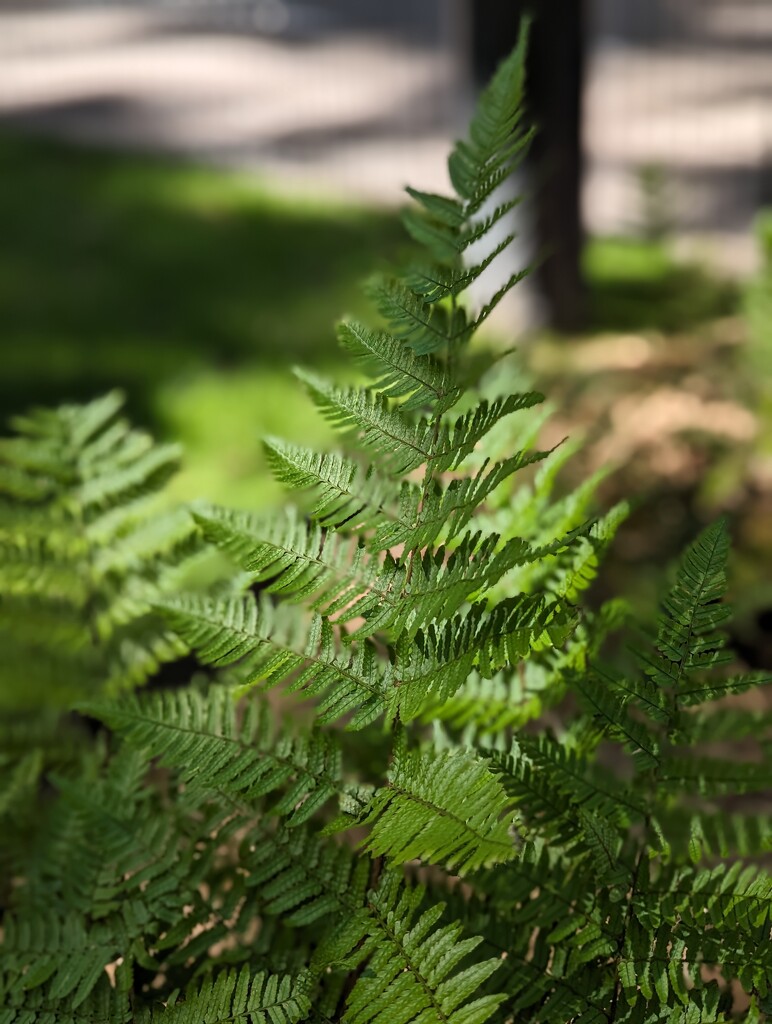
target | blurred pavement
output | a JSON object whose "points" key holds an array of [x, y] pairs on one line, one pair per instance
{"points": [[357, 99]]}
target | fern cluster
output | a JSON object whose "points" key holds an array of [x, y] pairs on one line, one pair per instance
{"points": [[84, 554], [415, 793], [87, 545]]}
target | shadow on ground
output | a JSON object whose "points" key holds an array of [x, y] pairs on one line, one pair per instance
{"points": [[127, 271], [636, 285]]}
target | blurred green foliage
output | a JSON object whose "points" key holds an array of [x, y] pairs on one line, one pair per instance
{"points": [[188, 288], [759, 312], [637, 284]]}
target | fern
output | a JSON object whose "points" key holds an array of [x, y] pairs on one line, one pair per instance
{"points": [[81, 563], [410, 788], [241, 761], [238, 996], [444, 808]]}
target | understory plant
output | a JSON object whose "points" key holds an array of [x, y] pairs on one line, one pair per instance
{"points": [[86, 549], [407, 784]]}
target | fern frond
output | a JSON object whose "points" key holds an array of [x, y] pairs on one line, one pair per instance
{"points": [[61, 954], [397, 372], [476, 164], [711, 776], [82, 558], [234, 996], [485, 707], [400, 443], [711, 836], [306, 653], [346, 494], [691, 695], [104, 1005], [302, 879], [608, 706], [565, 772], [447, 511], [445, 808], [297, 560], [578, 567], [421, 325], [434, 282], [689, 639], [215, 753], [382, 430], [412, 972]]}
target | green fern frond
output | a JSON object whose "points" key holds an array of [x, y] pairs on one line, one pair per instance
{"points": [[297, 560], [278, 648], [483, 708], [345, 493], [301, 879], [435, 282], [397, 372], [715, 689], [689, 639], [412, 971], [82, 557], [419, 324], [576, 570], [105, 1005], [608, 705], [240, 760], [234, 996], [401, 444], [59, 954], [445, 808], [711, 776], [711, 836], [495, 134]]}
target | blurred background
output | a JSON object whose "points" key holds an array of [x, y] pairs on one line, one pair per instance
{"points": [[191, 192]]}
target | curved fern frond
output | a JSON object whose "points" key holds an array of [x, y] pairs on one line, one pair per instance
{"points": [[81, 558], [346, 494], [402, 444], [277, 647], [689, 638], [300, 561], [397, 372]]}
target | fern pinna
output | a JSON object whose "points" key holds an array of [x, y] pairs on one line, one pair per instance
{"points": [[411, 838]]}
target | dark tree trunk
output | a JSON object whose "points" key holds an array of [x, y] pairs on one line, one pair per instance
{"points": [[554, 98]]}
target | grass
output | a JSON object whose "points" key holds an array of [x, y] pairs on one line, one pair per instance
{"points": [[191, 289], [637, 285]]}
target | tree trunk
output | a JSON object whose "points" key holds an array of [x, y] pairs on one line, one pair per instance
{"points": [[554, 100]]}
